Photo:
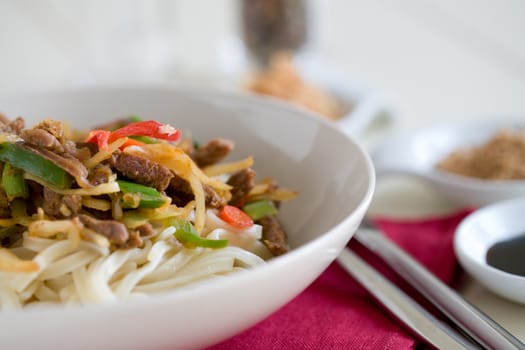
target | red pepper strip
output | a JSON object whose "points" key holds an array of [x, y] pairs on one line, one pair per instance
{"points": [[100, 137], [235, 217], [150, 128]]}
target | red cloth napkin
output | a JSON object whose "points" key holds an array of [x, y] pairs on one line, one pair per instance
{"points": [[335, 312]]}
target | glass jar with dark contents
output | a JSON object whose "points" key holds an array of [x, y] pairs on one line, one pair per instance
{"points": [[269, 26]]}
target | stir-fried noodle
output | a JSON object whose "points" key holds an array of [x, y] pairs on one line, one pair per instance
{"points": [[128, 210]]}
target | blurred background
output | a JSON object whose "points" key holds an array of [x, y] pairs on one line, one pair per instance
{"points": [[430, 59]]}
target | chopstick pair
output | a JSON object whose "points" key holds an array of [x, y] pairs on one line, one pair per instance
{"points": [[477, 329]]}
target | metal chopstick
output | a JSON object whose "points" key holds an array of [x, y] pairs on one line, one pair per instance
{"points": [[466, 316], [424, 324]]}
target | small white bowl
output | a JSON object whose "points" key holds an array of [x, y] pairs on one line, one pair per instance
{"points": [[417, 153], [481, 230]]}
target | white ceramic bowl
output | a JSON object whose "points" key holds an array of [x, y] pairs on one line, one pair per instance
{"points": [[334, 178], [481, 230], [416, 154]]}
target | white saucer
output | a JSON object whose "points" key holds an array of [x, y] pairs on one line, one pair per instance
{"points": [[481, 230]]}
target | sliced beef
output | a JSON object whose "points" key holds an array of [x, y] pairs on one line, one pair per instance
{"points": [[136, 235], [242, 182], [100, 174], [115, 231], [134, 240], [273, 235], [48, 134], [61, 206], [212, 198], [12, 127], [143, 170], [66, 161], [52, 127], [212, 152], [145, 230], [181, 193], [41, 139]]}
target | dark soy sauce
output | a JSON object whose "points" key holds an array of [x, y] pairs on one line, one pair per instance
{"points": [[508, 255]]}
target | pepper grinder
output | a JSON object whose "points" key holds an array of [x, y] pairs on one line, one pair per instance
{"points": [[270, 26]]}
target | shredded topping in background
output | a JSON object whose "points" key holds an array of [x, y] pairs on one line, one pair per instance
{"points": [[501, 158], [282, 80]]}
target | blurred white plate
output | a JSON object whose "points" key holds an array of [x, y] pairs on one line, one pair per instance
{"points": [[481, 230]]}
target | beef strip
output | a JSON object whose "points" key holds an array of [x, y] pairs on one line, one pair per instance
{"points": [[66, 161], [52, 127], [145, 230], [61, 206], [100, 174], [212, 198], [12, 127], [115, 231], [242, 182], [136, 235], [181, 193], [273, 235], [41, 139], [212, 152], [143, 170], [48, 134], [134, 240]]}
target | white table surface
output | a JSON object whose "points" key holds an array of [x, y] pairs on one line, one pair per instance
{"points": [[432, 60]]}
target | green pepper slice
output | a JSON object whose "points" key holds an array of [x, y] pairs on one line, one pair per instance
{"points": [[259, 209], [13, 182], [186, 234], [146, 197], [32, 163]]}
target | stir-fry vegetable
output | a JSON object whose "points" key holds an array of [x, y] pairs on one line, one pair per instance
{"points": [[139, 130], [140, 196], [260, 209], [13, 182], [147, 128], [30, 162], [187, 235], [100, 137], [235, 217]]}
